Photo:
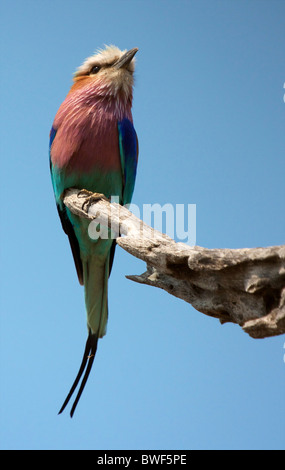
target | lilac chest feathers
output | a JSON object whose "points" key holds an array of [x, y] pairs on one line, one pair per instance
{"points": [[87, 133]]}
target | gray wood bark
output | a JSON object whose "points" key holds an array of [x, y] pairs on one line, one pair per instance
{"points": [[245, 286]]}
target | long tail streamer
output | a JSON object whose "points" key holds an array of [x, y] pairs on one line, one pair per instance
{"points": [[88, 358]]}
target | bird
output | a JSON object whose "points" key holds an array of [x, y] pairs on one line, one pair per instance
{"points": [[93, 147]]}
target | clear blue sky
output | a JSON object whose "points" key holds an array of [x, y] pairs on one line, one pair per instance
{"points": [[210, 115]]}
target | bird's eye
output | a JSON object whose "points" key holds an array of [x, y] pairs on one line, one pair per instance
{"points": [[95, 69]]}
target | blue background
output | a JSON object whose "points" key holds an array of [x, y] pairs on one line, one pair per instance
{"points": [[209, 113]]}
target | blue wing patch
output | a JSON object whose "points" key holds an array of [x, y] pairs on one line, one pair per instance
{"points": [[51, 139], [51, 136], [128, 143]]}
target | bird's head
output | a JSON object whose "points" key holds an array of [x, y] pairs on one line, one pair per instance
{"points": [[107, 73]]}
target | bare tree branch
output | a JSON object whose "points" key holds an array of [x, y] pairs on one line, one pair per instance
{"points": [[244, 286]]}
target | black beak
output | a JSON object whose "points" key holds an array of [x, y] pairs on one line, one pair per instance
{"points": [[124, 61]]}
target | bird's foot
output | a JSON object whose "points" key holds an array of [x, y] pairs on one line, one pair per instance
{"points": [[90, 198]]}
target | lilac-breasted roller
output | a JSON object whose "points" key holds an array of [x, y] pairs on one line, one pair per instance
{"points": [[93, 146]]}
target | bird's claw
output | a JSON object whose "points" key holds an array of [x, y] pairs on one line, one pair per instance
{"points": [[90, 198]]}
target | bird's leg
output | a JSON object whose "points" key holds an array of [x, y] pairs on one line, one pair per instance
{"points": [[90, 198]]}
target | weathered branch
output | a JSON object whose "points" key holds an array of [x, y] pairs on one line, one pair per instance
{"points": [[244, 286]]}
